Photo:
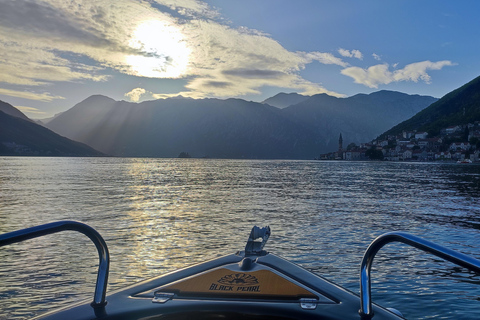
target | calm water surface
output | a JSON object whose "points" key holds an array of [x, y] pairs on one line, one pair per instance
{"points": [[157, 215]]}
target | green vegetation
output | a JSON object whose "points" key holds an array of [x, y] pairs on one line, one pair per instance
{"points": [[459, 107], [475, 142], [374, 154], [351, 146]]}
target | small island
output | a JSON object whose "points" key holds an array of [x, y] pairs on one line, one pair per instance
{"points": [[184, 155]]}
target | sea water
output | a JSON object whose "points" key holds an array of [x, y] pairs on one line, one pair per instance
{"points": [[158, 215]]}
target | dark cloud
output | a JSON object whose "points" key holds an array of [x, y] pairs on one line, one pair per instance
{"points": [[42, 20], [218, 84], [254, 73]]}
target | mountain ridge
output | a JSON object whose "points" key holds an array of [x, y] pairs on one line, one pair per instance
{"points": [[19, 137], [282, 100], [231, 128], [357, 117], [11, 110]]}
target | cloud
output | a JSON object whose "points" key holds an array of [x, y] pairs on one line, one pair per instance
{"points": [[253, 73], [30, 110], [46, 97], [380, 74], [376, 57], [44, 20], [170, 95], [247, 58], [51, 41], [190, 8], [418, 71], [218, 84], [30, 66], [136, 94], [371, 77], [350, 54], [322, 57], [55, 41]]}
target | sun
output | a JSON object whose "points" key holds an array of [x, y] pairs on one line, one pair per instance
{"points": [[163, 51]]}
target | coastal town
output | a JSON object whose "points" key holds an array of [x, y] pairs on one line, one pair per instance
{"points": [[460, 143]]}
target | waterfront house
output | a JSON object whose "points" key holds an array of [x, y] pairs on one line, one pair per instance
{"points": [[420, 155], [357, 154], [459, 146], [407, 154], [443, 156], [453, 129], [408, 134], [421, 135]]}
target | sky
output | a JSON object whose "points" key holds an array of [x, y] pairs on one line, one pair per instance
{"points": [[56, 53]]}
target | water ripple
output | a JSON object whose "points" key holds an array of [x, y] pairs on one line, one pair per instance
{"points": [[161, 214]]}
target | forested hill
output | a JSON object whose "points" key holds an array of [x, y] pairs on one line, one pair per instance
{"points": [[459, 107]]}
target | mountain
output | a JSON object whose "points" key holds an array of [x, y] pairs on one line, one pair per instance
{"points": [[230, 128], [81, 120], [47, 120], [20, 137], [358, 118], [283, 100], [11, 110], [461, 106]]}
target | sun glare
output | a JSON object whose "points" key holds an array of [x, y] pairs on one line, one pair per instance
{"points": [[165, 52]]}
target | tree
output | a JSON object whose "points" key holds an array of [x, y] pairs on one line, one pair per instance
{"points": [[374, 154], [392, 144], [465, 134], [475, 142]]}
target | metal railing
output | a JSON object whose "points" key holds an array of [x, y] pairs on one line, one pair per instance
{"points": [[99, 301], [366, 311]]}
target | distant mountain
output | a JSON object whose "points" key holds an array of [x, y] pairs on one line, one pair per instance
{"points": [[19, 137], [461, 106], [358, 118], [47, 120], [283, 100], [230, 128], [80, 122], [11, 110]]}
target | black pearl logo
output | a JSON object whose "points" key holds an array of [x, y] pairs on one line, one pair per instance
{"points": [[239, 279]]}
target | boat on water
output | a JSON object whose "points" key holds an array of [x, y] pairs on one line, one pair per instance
{"points": [[464, 161], [249, 284]]}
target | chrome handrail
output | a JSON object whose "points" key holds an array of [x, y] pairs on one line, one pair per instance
{"points": [[99, 301], [366, 311]]}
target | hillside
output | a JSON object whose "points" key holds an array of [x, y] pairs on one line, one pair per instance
{"points": [[459, 107], [19, 137], [11, 110], [359, 118]]}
